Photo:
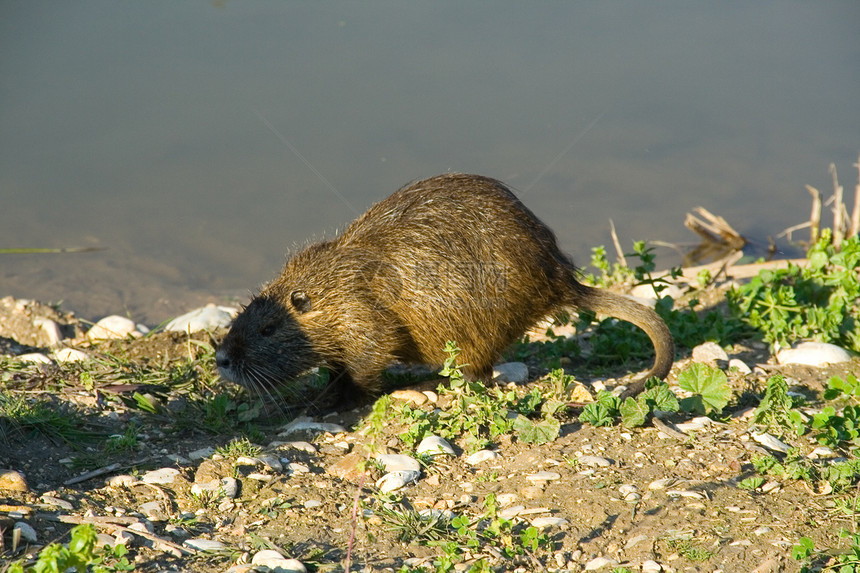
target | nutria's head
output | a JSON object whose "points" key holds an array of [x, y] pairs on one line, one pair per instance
{"points": [[266, 346]]}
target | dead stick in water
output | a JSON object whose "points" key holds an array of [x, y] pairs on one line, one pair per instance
{"points": [[855, 215], [622, 260], [815, 216], [838, 220]]}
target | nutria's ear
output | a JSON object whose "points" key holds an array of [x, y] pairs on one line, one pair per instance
{"points": [[301, 301]]}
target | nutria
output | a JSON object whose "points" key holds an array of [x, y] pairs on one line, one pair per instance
{"points": [[453, 257]]}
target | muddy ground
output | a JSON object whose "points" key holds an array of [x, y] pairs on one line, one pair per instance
{"points": [[637, 496]]}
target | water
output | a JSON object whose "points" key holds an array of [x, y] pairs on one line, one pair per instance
{"points": [[195, 142]]}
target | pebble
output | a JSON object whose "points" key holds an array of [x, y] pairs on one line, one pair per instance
{"points": [[594, 461], [506, 499], [27, 531], [434, 446], [312, 504], [163, 476], [153, 511], [201, 454], [34, 358], [646, 294], [482, 456], [709, 352], [70, 355], [302, 446], [57, 502], [396, 480], [307, 425], [821, 452], [51, 330], [113, 327], [11, 480], [204, 544], [813, 354], [398, 462], [277, 563], [122, 480], [511, 512], [515, 372], [740, 366], [209, 317], [543, 477], [650, 566], [770, 442], [698, 423], [662, 483], [600, 563], [544, 522], [413, 396]]}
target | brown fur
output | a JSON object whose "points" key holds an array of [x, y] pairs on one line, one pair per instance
{"points": [[453, 257]]}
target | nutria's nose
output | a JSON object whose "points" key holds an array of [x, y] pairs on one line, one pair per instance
{"points": [[222, 360]]}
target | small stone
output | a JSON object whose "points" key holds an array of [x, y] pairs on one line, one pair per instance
{"points": [[113, 327], [544, 522], [709, 352], [302, 446], [350, 467], [770, 442], [762, 530], [307, 425], [650, 566], [821, 452], [434, 446], [163, 476], [594, 461], [398, 462], [266, 555], [740, 366], [695, 424], [413, 396], [312, 504], [70, 355], [209, 317], [34, 358], [271, 462], [482, 456], [105, 539], [11, 480], [201, 454], [662, 483], [122, 480], [57, 502], [396, 480], [627, 489], [511, 512], [153, 511], [515, 372], [813, 354], [771, 486], [50, 330], [204, 544], [506, 499], [531, 492], [600, 563], [27, 531], [543, 477]]}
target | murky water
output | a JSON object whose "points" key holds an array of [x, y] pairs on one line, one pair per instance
{"points": [[196, 142]]}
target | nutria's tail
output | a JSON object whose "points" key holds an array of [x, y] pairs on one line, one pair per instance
{"points": [[605, 302]]}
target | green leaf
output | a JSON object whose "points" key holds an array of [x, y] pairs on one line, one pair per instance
{"points": [[541, 432], [597, 415], [709, 383], [634, 412]]}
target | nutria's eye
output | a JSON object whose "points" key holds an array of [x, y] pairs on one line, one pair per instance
{"points": [[268, 330], [300, 300]]}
